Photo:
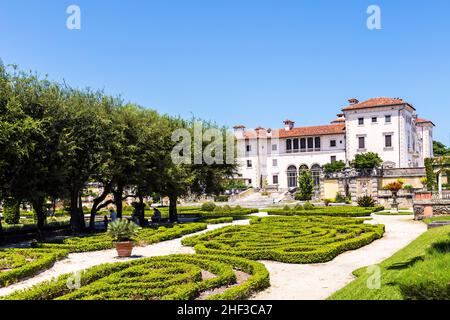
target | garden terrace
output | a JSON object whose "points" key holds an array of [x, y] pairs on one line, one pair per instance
{"points": [[174, 277], [335, 211], [18, 264], [420, 271], [103, 241], [288, 239]]}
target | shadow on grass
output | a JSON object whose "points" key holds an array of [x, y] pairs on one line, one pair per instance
{"points": [[406, 264], [440, 247]]}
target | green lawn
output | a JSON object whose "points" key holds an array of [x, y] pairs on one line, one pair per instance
{"points": [[419, 271], [439, 218]]}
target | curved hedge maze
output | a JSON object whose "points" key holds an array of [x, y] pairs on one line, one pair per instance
{"points": [[180, 277], [288, 239], [17, 264]]}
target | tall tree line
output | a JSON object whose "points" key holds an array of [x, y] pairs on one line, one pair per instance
{"points": [[55, 139]]}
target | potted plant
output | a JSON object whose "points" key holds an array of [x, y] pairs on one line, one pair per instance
{"points": [[395, 187], [123, 232]]}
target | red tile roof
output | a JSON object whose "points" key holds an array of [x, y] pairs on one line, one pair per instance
{"points": [[422, 120], [298, 132], [377, 102], [313, 131]]}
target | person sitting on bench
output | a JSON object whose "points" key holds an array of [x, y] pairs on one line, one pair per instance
{"points": [[156, 215]]}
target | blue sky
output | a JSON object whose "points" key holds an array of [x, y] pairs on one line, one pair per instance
{"points": [[252, 62]]}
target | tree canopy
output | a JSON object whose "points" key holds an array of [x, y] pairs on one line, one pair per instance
{"points": [[55, 140]]}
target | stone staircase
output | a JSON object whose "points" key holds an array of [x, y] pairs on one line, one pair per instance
{"points": [[257, 200]]}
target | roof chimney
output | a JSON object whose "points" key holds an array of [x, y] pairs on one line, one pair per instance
{"points": [[353, 101], [288, 125]]}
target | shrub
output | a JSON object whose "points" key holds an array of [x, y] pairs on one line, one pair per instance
{"points": [[336, 166], [306, 185], [366, 202], [18, 264], [286, 208], [221, 198], [226, 208], [394, 186], [288, 239], [308, 206], [123, 230], [299, 207], [104, 241], [11, 211], [335, 211], [327, 202], [173, 277], [408, 187], [340, 198], [219, 220], [208, 206], [367, 161]]}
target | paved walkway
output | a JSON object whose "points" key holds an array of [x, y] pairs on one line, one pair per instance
{"points": [[319, 281]]}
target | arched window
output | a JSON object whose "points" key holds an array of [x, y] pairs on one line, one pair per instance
{"points": [[316, 170], [303, 167], [292, 177]]}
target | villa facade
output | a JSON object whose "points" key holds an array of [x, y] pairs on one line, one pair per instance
{"points": [[387, 126]]}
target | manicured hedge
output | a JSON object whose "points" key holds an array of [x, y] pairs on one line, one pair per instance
{"points": [[103, 241], [17, 264], [174, 277], [288, 239], [219, 212], [218, 220], [337, 211]]}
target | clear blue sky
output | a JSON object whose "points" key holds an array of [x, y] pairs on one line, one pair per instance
{"points": [[252, 62]]}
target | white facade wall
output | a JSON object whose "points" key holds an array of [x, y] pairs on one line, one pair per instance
{"points": [[411, 143]]}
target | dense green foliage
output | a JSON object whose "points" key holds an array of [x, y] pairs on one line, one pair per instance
{"points": [[419, 271], [175, 277], [305, 185], [440, 149], [55, 140], [104, 241], [367, 161], [288, 239], [431, 179], [18, 264], [11, 212], [336, 166], [335, 211]]}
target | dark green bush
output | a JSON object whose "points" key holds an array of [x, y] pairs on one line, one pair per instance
{"points": [[335, 211], [11, 212], [18, 264], [366, 202], [221, 198], [208, 206], [308, 206]]}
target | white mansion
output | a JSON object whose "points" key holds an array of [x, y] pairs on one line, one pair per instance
{"points": [[389, 127]]}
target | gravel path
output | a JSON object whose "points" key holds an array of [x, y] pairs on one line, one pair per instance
{"points": [[319, 281], [80, 261]]}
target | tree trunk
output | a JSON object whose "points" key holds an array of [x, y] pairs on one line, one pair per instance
{"points": [[38, 206], [1, 231], [96, 205], [173, 215], [141, 213], [77, 223], [118, 200]]}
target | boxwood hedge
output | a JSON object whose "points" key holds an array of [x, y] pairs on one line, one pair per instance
{"points": [[174, 277], [288, 239], [103, 241], [336, 211], [18, 264]]}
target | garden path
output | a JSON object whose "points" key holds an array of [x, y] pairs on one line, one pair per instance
{"points": [[319, 281]]}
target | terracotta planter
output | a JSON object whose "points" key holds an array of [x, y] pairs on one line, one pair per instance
{"points": [[124, 249]]}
